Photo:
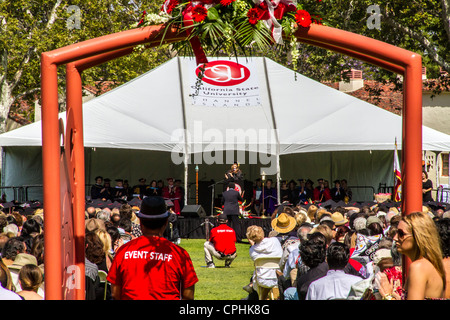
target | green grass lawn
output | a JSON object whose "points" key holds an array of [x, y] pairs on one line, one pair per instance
{"points": [[220, 283]]}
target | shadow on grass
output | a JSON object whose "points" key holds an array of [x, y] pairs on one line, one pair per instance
{"points": [[220, 283]]}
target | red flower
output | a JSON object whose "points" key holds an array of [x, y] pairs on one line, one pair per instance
{"points": [[316, 19], [281, 9], [252, 15], [171, 4], [199, 13], [303, 18], [226, 2]]}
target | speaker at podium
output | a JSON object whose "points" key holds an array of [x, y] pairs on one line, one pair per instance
{"points": [[193, 211]]}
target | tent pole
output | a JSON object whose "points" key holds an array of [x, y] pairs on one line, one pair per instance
{"points": [[278, 177], [186, 157], [186, 150]]}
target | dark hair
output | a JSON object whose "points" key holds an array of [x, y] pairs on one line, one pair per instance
{"points": [[11, 219], [3, 222], [29, 227], [443, 226], [125, 211], [375, 228], [425, 173], [94, 248], [125, 224], [313, 250], [12, 247], [338, 255], [114, 233], [231, 185], [37, 248], [30, 277], [341, 231], [327, 222]]}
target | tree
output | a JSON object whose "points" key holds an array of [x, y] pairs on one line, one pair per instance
{"points": [[420, 26], [28, 28]]}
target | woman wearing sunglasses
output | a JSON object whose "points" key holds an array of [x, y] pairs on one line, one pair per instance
{"points": [[418, 239]]}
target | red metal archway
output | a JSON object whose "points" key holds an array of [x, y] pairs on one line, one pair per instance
{"points": [[63, 171]]}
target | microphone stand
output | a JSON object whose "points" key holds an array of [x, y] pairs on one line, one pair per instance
{"points": [[213, 186]]}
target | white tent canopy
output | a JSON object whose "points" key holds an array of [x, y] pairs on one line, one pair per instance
{"points": [[280, 113]]}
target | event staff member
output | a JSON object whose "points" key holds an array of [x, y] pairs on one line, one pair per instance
{"points": [[150, 267], [230, 202], [221, 244]]}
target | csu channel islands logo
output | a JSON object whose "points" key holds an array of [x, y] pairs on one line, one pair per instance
{"points": [[224, 73]]}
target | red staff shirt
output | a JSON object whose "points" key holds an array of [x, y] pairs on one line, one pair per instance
{"points": [[152, 268], [224, 239]]}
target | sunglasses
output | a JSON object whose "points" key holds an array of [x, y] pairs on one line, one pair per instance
{"points": [[402, 235]]}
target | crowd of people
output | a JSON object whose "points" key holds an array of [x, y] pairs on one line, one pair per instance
{"points": [[172, 192], [266, 198], [356, 253], [22, 255], [322, 253]]}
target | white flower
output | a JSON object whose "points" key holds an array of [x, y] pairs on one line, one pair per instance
{"points": [[157, 18]]}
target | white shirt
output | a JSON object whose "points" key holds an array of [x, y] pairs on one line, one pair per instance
{"points": [[335, 285], [268, 247], [8, 295]]}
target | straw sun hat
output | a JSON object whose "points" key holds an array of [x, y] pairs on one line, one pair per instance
{"points": [[283, 223], [339, 219]]}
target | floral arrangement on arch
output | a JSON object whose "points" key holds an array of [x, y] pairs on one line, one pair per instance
{"points": [[215, 26]]}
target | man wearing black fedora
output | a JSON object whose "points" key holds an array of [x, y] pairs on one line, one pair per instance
{"points": [[151, 267]]}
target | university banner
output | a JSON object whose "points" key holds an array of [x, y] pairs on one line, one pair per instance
{"points": [[224, 83]]}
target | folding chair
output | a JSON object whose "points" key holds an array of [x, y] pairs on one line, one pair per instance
{"points": [[102, 275], [267, 263]]}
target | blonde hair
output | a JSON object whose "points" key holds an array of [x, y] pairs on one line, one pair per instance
{"points": [[312, 212], [325, 230], [106, 239], [255, 233], [319, 213], [300, 218], [427, 240]]}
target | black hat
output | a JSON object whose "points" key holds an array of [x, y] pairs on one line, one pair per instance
{"points": [[222, 218], [153, 208]]}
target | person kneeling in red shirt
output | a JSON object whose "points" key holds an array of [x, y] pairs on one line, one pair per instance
{"points": [[221, 244], [151, 267]]}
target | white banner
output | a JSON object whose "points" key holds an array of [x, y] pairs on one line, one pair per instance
{"points": [[225, 83]]}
